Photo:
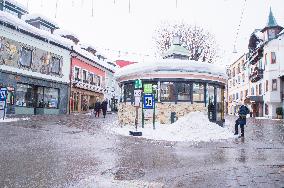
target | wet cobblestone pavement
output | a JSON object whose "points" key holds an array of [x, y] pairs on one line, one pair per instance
{"points": [[75, 151]]}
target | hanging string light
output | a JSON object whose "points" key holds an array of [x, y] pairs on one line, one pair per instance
{"points": [[92, 8], [239, 26], [56, 6], [129, 6]]}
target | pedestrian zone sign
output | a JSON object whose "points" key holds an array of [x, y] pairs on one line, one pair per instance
{"points": [[148, 101]]}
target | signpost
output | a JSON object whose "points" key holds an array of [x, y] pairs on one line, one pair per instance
{"points": [[137, 95], [3, 98], [149, 103]]}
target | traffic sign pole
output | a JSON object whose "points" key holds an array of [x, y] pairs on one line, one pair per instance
{"points": [[142, 112], [154, 114]]}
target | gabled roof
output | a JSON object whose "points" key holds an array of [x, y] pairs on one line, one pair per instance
{"points": [[176, 49], [271, 22]]}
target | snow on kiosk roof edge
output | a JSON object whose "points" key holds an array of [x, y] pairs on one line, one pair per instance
{"points": [[171, 65]]}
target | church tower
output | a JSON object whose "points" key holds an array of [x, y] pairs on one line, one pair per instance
{"points": [[272, 28]]}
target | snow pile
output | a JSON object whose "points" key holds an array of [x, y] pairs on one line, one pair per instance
{"points": [[193, 127], [12, 119], [172, 65]]}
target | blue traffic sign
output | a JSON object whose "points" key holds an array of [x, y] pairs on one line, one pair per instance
{"points": [[3, 93], [148, 101]]}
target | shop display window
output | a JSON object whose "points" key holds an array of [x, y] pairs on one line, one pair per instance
{"points": [[183, 90], [51, 97], [167, 91], [128, 92], [198, 92], [36, 96]]}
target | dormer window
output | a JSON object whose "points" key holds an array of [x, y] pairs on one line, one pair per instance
{"points": [[41, 22], [13, 8]]}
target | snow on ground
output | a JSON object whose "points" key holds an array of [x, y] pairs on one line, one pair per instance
{"points": [[193, 127], [12, 119]]}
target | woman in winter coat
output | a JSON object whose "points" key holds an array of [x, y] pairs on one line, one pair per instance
{"points": [[104, 107], [97, 108]]}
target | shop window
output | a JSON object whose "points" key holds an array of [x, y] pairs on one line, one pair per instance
{"points": [[26, 57], [55, 65], [274, 84], [25, 95], [128, 92], [85, 76], [51, 96], [273, 57], [167, 91], [183, 90], [40, 97], [198, 92], [77, 73]]}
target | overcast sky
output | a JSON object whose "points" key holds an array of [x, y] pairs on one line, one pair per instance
{"points": [[113, 27]]}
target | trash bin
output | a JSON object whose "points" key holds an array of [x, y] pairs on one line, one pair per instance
{"points": [[173, 117]]}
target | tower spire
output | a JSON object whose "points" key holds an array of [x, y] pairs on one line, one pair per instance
{"points": [[271, 22]]}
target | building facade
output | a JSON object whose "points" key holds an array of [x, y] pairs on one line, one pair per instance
{"points": [[238, 84], [264, 70], [91, 80], [34, 66]]}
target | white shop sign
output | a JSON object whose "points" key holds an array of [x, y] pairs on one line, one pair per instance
{"points": [[137, 101]]}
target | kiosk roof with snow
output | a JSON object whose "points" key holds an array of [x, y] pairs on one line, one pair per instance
{"points": [[180, 86]]}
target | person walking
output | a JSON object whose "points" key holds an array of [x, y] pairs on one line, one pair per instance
{"points": [[97, 108], [243, 111], [104, 107]]}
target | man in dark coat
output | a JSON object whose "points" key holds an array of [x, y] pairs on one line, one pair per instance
{"points": [[97, 108], [243, 111], [104, 107]]}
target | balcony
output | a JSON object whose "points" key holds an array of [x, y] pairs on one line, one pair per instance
{"points": [[256, 56], [256, 75]]}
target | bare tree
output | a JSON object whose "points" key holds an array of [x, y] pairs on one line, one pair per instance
{"points": [[200, 43]]}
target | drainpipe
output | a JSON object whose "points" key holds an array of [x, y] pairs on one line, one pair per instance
{"points": [[70, 81]]}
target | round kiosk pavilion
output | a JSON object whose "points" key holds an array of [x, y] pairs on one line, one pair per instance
{"points": [[180, 86]]}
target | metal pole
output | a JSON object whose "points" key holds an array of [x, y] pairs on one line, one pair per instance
{"points": [[136, 118], [142, 112], [154, 114]]}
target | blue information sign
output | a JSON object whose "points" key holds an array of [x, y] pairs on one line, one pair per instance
{"points": [[148, 101], [3, 93]]}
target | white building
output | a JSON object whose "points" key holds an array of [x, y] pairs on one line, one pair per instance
{"points": [[34, 63], [265, 70]]}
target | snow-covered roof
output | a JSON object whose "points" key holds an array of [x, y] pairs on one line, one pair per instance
{"points": [[15, 3], [39, 16], [63, 32], [171, 65], [79, 49], [21, 24]]}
